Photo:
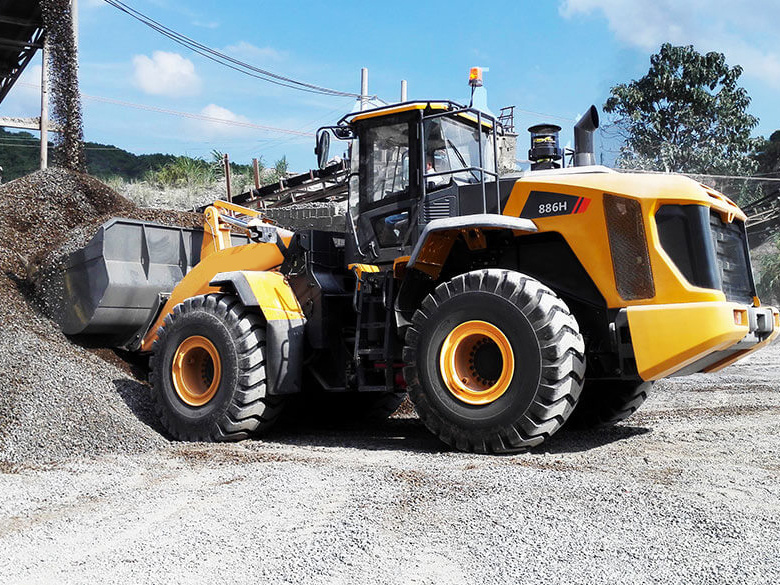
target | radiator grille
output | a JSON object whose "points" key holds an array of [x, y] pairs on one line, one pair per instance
{"points": [[438, 209], [731, 251], [628, 245]]}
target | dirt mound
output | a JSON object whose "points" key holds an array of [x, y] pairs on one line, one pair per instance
{"points": [[60, 399]]}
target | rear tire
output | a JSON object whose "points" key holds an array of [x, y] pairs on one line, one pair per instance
{"points": [[607, 402], [516, 349], [208, 371]]}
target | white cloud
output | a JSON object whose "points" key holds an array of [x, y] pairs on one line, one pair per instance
{"points": [[215, 111], [209, 129], [741, 30], [167, 74]]}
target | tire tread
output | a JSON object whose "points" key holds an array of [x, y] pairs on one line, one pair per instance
{"points": [[563, 361], [250, 410]]}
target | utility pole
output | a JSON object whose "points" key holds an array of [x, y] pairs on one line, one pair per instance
{"points": [[45, 103], [226, 163], [363, 89], [256, 172]]}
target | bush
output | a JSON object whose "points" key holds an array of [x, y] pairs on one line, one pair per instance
{"points": [[184, 172]]}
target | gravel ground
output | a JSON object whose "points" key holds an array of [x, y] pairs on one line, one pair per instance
{"points": [[686, 491]]}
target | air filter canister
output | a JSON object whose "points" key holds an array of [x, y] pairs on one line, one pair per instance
{"points": [[545, 151]]}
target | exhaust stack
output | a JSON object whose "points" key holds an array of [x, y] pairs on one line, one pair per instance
{"points": [[584, 154]]}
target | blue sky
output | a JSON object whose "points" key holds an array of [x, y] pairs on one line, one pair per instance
{"points": [[555, 57]]}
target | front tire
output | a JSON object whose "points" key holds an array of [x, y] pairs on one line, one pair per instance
{"points": [[208, 371], [494, 361]]}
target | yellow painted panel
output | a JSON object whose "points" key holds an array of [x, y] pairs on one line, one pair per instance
{"points": [[666, 338], [359, 269], [274, 295], [398, 110], [196, 282], [586, 232], [230, 206], [473, 118]]}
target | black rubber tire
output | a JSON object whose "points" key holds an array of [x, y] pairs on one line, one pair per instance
{"points": [[549, 354], [606, 402], [240, 406], [342, 407]]}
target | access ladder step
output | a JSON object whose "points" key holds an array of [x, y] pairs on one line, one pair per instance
{"points": [[372, 352], [372, 388]]}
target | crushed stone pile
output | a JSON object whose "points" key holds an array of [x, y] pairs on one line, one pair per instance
{"points": [[60, 399]]}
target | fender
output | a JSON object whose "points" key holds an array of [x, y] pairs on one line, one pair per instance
{"points": [[285, 323], [433, 247], [436, 240]]}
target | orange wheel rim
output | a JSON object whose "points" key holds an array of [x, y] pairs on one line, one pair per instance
{"points": [[196, 370], [477, 362]]}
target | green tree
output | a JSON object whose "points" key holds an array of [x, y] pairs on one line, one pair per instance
{"points": [[688, 114], [281, 167], [768, 154], [769, 274]]}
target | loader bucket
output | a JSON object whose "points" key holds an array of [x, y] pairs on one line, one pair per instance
{"points": [[115, 285]]}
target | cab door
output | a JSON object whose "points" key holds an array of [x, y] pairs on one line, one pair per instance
{"points": [[388, 185]]}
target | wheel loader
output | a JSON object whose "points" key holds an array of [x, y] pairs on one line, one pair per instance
{"points": [[503, 306]]}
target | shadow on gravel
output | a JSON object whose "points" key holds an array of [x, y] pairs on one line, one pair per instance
{"points": [[577, 440], [138, 399], [134, 364], [407, 434], [395, 434]]}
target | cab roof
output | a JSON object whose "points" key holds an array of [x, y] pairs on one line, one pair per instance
{"points": [[392, 109]]}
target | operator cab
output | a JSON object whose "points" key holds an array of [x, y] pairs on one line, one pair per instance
{"points": [[413, 163]]}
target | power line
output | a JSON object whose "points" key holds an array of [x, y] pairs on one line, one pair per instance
{"points": [[192, 116], [189, 115], [543, 115], [306, 127], [226, 60]]}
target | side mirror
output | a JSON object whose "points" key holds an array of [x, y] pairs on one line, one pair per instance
{"points": [[323, 149]]}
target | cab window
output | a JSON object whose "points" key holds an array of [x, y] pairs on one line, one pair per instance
{"points": [[452, 144], [385, 151]]}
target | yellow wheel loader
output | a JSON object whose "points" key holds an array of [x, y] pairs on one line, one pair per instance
{"points": [[503, 305]]}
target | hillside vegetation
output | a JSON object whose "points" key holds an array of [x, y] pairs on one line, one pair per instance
{"points": [[20, 156], [148, 179]]}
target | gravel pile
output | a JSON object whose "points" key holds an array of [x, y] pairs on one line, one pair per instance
{"points": [[60, 399]]}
